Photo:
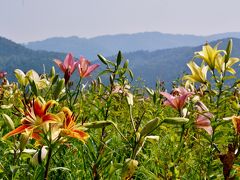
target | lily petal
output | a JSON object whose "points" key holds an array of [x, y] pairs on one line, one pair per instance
{"points": [[18, 130]]}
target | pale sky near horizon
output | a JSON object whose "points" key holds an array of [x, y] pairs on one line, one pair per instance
{"points": [[30, 20]]}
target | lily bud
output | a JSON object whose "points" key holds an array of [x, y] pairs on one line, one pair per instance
{"points": [[129, 99], [39, 156], [23, 141], [97, 124], [111, 79], [58, 88], [52, 72], [126, 64], [176, 120], [8, 121], [128, 169], [149, 127]]}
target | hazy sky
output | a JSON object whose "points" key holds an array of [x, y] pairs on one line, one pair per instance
{"points": [[28, 20]]}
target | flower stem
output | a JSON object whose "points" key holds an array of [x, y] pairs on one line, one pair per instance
{"points": [[48, 163], [78, 90]]}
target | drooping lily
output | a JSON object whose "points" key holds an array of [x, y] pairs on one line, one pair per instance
{"points": [[35, 117], [68, 66], [178, 99], [70, 128], [204, 117], [85, 68], [199, 74], [203, 121], [209, 54]]}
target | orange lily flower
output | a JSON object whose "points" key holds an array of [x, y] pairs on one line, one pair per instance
{"points": [[84, 67], [178, 99], [35, 116], [68, 66], [70, 128], [236, 123]]}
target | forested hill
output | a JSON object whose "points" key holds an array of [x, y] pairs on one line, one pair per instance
{"points": [[13, 55], [167, 65]]}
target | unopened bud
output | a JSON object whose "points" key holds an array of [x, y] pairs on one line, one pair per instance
{"points": [[128, 169]]}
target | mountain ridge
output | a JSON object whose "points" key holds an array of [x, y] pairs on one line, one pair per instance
{"points": [[151, 66], [110, 44]]}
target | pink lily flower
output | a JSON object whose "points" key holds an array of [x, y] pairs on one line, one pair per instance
{"points": [[177, 99], [68, 66], [85, 68], [203, 121], [3, 74]]}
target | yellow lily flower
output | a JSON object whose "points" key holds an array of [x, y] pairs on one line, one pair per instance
{"points": [[220, 64], [199, 74], [31, 75], [209, 54]]}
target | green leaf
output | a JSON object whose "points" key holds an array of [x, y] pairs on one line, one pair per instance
{"points": [[54, 79], [175, 120], [119, 58], [105, 72], [58, 88], [34, 88], [228, 77], [97, 124], [60, 168], [149, 91], [228, 50], [104, 60], [130, 73], [149, 127]]}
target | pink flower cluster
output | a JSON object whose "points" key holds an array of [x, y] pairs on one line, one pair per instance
{"points": [[69, 65]]}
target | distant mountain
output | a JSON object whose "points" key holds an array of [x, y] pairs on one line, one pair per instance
{"points": [[166, 64], [169, 64], [111, 44], [14, 56]]}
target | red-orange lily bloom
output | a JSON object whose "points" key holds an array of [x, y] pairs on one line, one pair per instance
{"points": [[70, 128], [178, 99], [236, 123], [35, 116], [85, 68], [68, 66]]}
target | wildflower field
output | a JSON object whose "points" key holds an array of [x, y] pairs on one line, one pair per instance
{"points": [[54, 128]]}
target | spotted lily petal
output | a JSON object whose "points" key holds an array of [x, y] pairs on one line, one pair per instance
{"points": [[70, 128]]}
